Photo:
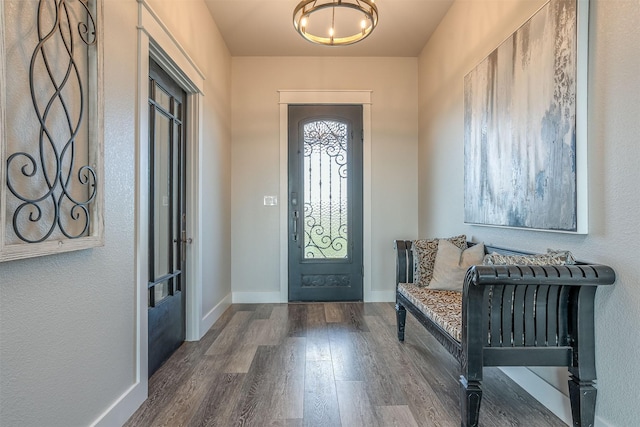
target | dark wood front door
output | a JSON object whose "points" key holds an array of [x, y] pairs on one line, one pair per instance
{"points": [[325, 202], [167, 216]]}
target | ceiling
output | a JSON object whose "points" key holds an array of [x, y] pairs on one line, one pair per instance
{"points": [[265, 28]]}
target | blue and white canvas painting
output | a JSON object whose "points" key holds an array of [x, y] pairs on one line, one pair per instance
{"points": [[520, 127]]}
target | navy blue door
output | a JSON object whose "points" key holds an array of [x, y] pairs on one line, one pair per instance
{"points": [[325, 202], [167, 218]]}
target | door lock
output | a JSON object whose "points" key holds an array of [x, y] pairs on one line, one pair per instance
{"points": [[185, 239]]}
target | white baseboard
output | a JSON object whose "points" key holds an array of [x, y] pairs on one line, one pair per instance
{"points": [[542, 391], [600, 422], [125, 406], [275, 297], [214, 314], [256, 297], [380, 296], [545, 393]]}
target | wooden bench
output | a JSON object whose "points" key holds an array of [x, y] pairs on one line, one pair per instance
{"points": [[512, 316]]}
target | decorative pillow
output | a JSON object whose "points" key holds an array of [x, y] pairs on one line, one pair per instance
{"points": [[452, 264], [552, 257], [565, 256], [424, 257]]}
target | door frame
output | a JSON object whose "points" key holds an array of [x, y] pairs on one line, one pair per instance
{"points": [[155, 41], [354, 97]]}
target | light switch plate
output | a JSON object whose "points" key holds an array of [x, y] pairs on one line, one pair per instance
{"points": [[271, 200]]}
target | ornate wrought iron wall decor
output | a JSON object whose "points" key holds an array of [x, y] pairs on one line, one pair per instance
{"points": [[51, 139]]}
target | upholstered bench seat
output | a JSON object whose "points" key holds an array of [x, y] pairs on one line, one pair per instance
{"points": [[442, 307], [538, 313]]}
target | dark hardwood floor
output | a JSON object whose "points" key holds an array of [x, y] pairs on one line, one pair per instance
{"points": [[331, 364]]}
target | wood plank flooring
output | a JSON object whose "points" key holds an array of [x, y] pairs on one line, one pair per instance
{"points": [[322, 364]]}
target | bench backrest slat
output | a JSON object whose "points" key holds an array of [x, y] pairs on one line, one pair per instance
{"points": [[518, 315], [495, 335], [529, 316], [552, 318], [541, 315], [507, 315]]}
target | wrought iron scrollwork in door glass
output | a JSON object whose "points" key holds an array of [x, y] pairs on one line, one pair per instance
{"points": [[53, 147], [325, 189]]}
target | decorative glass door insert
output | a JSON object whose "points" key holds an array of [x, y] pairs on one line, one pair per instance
{"points": [[325, 190]]}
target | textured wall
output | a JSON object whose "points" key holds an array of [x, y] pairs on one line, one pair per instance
{"points": [[67, 322], [614, 90], [255, 156]]}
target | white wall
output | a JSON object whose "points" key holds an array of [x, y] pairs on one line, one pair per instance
{"points": [[67, 322], [470, 30], [255, 157]]}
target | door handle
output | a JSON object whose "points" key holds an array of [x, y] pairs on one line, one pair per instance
{"points": [[295, 226], [185, 239], [183, 248]]}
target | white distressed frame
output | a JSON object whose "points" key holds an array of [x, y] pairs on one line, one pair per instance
{"points": [[95, 118]]}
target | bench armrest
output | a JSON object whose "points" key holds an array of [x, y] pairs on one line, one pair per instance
{"points": [[570, 275], [509, 307], [404, 262]]}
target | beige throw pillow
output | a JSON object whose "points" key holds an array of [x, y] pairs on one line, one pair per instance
{"points": [[452, 264], [424, 257]]}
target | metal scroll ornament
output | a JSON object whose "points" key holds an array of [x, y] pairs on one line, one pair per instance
{"points": [[53, 188], [325, 181]]}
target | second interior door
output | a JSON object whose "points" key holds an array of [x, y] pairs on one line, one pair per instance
{"points": [[167, 216], [325, 203]]}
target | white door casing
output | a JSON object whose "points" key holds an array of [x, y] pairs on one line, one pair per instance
{"points": [[356, 97], [156, 41]]}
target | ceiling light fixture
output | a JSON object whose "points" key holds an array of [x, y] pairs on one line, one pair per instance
{"points": [[335, 22]]}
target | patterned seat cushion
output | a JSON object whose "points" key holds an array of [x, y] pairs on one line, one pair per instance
{"points": [[442, 307]]}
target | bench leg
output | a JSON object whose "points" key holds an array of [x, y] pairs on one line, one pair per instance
{"points": [[582, 395], [401, 317], [470, 398]]}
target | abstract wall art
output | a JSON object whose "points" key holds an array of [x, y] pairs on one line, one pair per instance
{"points": [[524, 130]]}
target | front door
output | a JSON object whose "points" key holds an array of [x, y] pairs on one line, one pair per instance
{"points": [[325, 203], [167, 217]]}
